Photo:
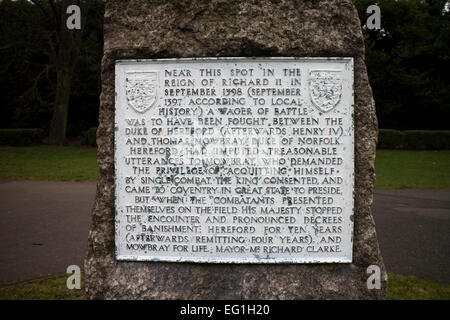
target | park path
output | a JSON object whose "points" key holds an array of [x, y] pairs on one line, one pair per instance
{"points": [[44, 228], [413, 228]]}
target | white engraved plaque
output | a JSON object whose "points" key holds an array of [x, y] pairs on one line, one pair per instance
{"points": [[234, 160]]}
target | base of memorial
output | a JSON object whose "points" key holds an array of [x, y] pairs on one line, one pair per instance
{"points": [[165, 280]]}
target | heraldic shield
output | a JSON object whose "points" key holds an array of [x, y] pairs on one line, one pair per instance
{"points": [[141, 90], [325, 88]]}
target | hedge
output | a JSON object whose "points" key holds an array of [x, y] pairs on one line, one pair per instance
{"points": [[89, 137], [21, 137], [414, 139]]}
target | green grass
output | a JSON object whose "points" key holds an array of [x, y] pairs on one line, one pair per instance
{"points": [[412, 288], [48, 163], [412, 169], [54, 288], [394, 169]]}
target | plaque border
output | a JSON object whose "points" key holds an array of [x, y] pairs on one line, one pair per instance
{"points": [[348, 259]]}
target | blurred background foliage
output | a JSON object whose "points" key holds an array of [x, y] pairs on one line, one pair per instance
{"points": [[407, 62], [28, 78]]}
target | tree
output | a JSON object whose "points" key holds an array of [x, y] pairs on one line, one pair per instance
{"points": [[64, 46], [23, 66], [28, 77], [407, 62]]}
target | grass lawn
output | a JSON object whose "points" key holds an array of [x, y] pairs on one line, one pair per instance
{"points": [[412, 169], [53, 288], [48, 163], [413, 288], [399, 288], [394, 169]]}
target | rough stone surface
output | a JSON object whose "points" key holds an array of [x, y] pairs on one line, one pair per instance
{"points": [[137, 29]]}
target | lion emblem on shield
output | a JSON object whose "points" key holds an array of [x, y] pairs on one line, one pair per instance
{"points": [[141, 90], [325, 88]]}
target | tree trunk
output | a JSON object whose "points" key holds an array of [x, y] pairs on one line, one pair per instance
{"points": [[58, 124], [68, 43]]}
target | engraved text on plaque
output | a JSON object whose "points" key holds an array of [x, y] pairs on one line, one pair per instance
{"points": [[234, 160]]}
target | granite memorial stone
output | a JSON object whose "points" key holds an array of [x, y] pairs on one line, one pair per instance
{"points": [[236, 152]]}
